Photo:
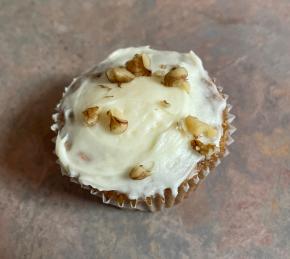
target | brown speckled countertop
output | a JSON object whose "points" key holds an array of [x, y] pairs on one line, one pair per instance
{"points": [[241, 211]]}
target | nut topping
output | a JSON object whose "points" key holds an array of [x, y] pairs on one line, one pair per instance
{"points": [[203, 149], [91, 116], [197, 127], [139, 65], [119, 75], [146, 61], [139, 173], [164, 103], [117, 125], [177, 77], [182, 84], [174, 74]]}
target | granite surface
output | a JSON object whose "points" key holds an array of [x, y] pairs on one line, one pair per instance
{"points": [[241, 211]]}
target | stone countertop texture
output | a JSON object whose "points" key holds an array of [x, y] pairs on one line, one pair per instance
{"points": [[241, 211]]}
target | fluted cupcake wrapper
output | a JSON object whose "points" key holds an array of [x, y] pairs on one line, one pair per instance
{"points": [[157, 202]]}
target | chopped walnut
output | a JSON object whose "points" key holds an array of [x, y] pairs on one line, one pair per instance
{"points": [[182, 84], [197, 127], [119, 75], [175, 73], [146, 61], [165, 104], [203, 149], [139, 173], [91, 116], [117, 125], [177, 77], [139, 65]]}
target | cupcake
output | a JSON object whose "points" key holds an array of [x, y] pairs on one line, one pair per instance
{"points": [[142, 128]]}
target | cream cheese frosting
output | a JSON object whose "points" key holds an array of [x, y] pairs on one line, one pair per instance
{"points": [[102, 160]]}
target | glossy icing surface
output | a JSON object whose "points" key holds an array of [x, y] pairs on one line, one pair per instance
{"points": [[102, 160]]}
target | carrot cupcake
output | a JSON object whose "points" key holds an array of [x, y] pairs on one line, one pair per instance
{"points": [[142, 128]]}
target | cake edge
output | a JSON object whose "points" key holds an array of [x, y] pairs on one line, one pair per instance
{"points": [[157, 202]]}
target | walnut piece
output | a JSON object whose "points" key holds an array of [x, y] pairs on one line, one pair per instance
{"points": [[91, 116], [197, 127], [164, 104], [139, 65], [146, 61], [119, 75], [175, 73], [182, 84], [177, 77], [203, 149], [117, 125], [139, 173]]}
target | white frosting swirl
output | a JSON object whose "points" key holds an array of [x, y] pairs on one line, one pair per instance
{"points": [[103, 160]]}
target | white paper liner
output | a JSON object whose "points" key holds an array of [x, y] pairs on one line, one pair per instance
{"points": [[141, 204]]}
